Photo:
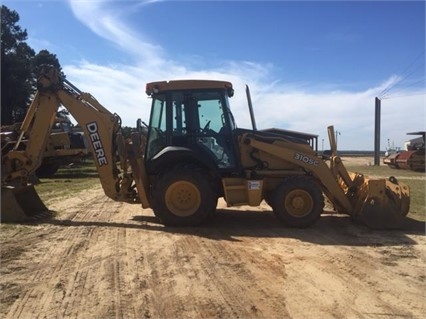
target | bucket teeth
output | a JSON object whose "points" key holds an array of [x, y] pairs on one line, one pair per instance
{"points": [[22, 205]]}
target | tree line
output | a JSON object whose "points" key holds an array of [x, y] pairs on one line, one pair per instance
{"points": [[19, 66]]}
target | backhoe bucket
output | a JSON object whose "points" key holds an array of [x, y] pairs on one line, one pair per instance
{"points": [[21, 205], [382, 204]]}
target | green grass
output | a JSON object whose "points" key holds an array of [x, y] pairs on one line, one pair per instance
{"points": [[385, 171], [68, 181], [417, 198]]}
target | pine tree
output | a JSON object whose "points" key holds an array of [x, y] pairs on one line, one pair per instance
{"points": [[19, 65]]}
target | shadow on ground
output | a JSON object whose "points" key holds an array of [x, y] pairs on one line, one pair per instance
{"points": [[232, 225]]}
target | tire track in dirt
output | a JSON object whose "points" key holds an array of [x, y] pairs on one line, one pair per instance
{"points": [[204, 278], [338, 271], [102, 259], [346, 281], [257, 290], [44, 268], [215, 267], [53, 271], [98, 270]]}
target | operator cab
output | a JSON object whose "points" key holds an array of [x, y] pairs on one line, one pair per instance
{"points": [[191, 118]]}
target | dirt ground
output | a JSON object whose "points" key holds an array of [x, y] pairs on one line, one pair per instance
{"points": [[102, 259]]}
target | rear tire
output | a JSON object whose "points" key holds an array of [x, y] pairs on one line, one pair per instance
{"points": [[183, 197], [298, 202]]}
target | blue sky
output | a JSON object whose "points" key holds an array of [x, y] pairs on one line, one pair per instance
{"points": [[308, 64]]}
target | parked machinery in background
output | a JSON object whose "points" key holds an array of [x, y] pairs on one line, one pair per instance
{"points": [[413, 158]]}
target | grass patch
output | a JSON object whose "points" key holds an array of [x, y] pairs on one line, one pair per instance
{"points": [[417, 198], [68, 181], [385, 171]]}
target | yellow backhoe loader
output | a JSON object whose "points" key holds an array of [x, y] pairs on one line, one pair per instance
{"points": [[64, 146], [193, 155]]}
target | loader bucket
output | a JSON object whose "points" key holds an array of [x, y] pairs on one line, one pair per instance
{"points": [[21, 205], [382, 204]]}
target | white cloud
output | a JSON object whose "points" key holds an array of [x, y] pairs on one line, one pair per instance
{"points": [[121, 89], [352, 114], [105, 19], [309, 108]]}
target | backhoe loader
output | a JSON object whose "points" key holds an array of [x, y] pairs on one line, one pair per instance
{"points": [[64, 146], [193, 155]]}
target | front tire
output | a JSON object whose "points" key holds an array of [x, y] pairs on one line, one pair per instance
{"points": [[183, 197], [298, 202]]}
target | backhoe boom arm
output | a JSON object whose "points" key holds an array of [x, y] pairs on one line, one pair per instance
{"points": [[101, 129]]}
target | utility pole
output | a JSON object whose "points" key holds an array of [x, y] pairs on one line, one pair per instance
{"points": [[378, 103], [337, 133]]}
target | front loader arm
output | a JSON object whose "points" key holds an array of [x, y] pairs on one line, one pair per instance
{"points": [[302, 156], [381, 203]]}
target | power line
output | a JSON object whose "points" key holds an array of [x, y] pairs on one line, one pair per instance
{"points": [[405, 95], [404, 71], [408, 71], [401, 81], [412, 84]]}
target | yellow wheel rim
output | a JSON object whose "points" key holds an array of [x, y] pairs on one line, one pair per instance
{"points": [[183, 198], [298, 203]]}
